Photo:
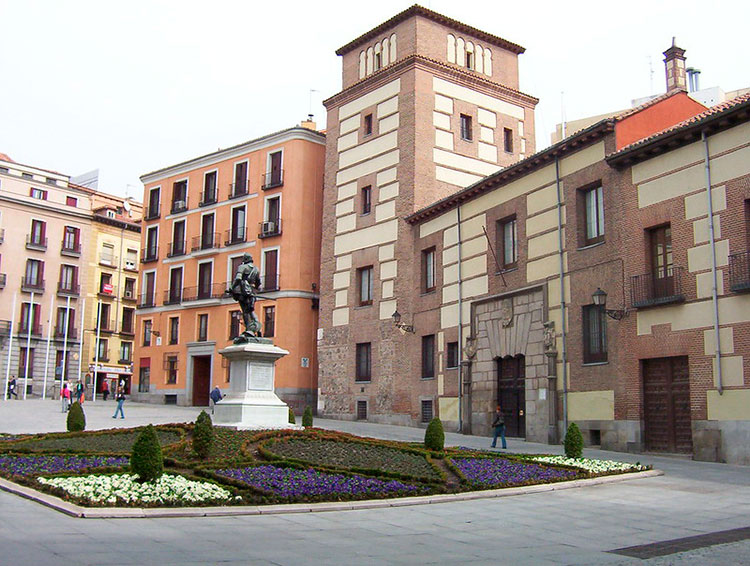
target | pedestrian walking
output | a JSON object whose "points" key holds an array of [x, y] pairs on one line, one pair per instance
{"points": [[215, 396], [65, 396], [105, 389], [79, 391], [12, 387], [120, 398], [499, 425]]}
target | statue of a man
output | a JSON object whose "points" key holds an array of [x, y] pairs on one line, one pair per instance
{"points": [[244, 290]]}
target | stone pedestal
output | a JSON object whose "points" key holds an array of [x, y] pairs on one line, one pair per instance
{"points": [[251, 402]]}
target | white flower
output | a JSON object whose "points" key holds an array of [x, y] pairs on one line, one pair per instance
{"points": [[588, 464]]}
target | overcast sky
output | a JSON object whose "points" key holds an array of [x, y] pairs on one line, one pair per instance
{"points": [[129, 87]]}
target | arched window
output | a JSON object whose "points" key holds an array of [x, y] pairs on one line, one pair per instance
{"points": [[377, 61], [361, 64], [369, 60], [488, 62], [460, 52], [451, 48], [386, 52], [479, 59], [392, 58], [470, 61]]}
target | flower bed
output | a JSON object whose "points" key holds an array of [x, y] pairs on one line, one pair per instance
{"points": [[357, 456], [99, 442], [123, 488], [303, 484], [228, 445], [55, 464], [501, 472], [590, 465]]}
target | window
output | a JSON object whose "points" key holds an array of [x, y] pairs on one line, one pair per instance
{"points": [[27, 175], [128, 321], [40, 194], [368, 124], [469, 60], [179, 196], [240, 179], [207, 233], [428, 356], [71, 239], [426, 411], [153, 203], [26, 354], [377, 62], [60, 323], [508, 140], [364, 361], [238, 225], [366, 199], [129, 288], [428, 270], [594, 334], [269, 321], [102, 350], [170, 366], [235, 318], [594, 212], [205, 279], [152, 243], [38, 233], [68, 279], [174, 330], [452, 355], [508, 242], [175, 286], [202, 327], [105, 284], [209, 188], [364, 282], [178, 238], [270, 280], [147, 324], [27, 311], [34, 273], [131, 259], [274, 177], [104, 318], [126, 352], [361, 410], [108, 255], [466, 133], [71, 201], [144, 377]]}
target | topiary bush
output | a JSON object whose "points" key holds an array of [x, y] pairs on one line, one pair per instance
{"points": [[291, 417], [146, 459], [434, 436], [203, 435], [573, 442], [307, 418], [76, 418]]}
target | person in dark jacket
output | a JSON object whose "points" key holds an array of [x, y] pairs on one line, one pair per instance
{"points": [[12, 388], [215, 396], [498, 424]]}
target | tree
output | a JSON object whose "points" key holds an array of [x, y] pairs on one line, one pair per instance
{"points": [[573, 441], [203, 435], [434, 436], [146, 459], [76, 418], [307, 417]]}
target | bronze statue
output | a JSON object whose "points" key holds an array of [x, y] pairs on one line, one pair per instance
{"points": [[244, 290]]}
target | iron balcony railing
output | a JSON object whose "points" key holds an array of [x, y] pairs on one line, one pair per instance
{"points": [[270, 282], [177, 248], [71, 248], [72, 333], [147, 300], [651, 289], [35, 284], [202, 292], [152, 212], [236, 235], [739, 272], [149, 254], [36, 242], [179, 205], [269, 228], [23, 328], [208, 196], [173, 296], [105, 326], [64, 288], [206, 242], [238, 189], [273, 179]]}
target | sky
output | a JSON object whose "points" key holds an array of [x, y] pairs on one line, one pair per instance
{"points": [[131, 87]]}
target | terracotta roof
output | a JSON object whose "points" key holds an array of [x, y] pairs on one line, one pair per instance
{"points": [[709, 115], [649, 103], [4, 157], [417, 10]]}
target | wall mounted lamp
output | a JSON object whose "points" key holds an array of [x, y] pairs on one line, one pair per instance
{"points": [[404, 328], [600, 300]]}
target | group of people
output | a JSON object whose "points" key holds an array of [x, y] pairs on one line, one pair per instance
{"points": [[68, 395]]}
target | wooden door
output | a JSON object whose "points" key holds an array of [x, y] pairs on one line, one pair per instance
{"points": [[207, 231], [666, 405], [201, 380], [511, 394], [276, 168], [204, 280]]}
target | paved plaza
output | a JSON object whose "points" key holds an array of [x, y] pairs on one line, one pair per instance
{"points": [[700, 508]]}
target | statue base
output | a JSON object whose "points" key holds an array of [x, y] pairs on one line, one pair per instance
{"points": [[251, 403]]}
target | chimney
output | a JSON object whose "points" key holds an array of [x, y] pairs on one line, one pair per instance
{"points": [[309, 123], [674, 65]]}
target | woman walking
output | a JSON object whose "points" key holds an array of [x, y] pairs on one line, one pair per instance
{"points": [[120, 398], [65, 396]]}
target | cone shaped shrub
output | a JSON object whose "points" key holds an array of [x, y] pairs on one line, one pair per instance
{"points": [[291, 417], [146, 459], [76, 418], [573, 442], [307, 418], [203, 435], [434, 436]]}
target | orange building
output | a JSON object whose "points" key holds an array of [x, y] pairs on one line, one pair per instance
{"points": [[263, 197]]}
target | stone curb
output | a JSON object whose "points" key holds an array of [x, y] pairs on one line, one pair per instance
{"points": [[131, 512]]}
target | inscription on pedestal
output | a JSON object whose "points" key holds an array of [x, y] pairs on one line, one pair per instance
{"points": [[261, 377]]}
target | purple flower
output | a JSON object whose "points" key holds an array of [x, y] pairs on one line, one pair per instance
{"points": [[487, 472], [31, 465]]}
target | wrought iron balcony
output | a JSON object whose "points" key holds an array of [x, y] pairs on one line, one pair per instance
{"points": [[60, 333], [238, 189], [650, 290], [152, 212], [173, 296], [35, 284], [270, 282], [124, 360], [72, 249], [203, 292], [68, 289], [106, 326], [269, 228], [147, 300], [208, 196], [235, 235], [206, 242], [179, 205], [149, 254], [34, 242], [273, 179], [739, 272], [23, 328], [176, 249]]}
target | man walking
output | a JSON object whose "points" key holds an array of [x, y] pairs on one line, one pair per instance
{"points": [[499, 425], [120, 398], [12, 388]]}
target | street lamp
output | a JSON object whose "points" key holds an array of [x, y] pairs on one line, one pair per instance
{"points": [[404, 328], [600, 300]]}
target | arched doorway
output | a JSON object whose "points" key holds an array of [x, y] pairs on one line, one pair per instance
{"points": [[511, 393]]}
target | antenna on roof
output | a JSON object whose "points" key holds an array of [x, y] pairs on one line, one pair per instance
{"points": [[309, 109]]}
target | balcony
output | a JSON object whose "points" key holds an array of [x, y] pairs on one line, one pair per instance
{"points": [[177, 249], [103, 356], [4, 328], [648, 290], [269, 228], [179, 205], [272, 179], [173, 296], [152, 212], [236, 235], [60, 333], [65, 289], [269, 282], [108, 260], [23, 328], [147, 300], [203, 292], [107, 291], [36, 243], [70, 249], [124, 360], [238, 189], [128, 328], [32, 285], [739, 272], [3, 277], [106, 326], [150, 254], [208, 196], [209, 241], [129, 296]]}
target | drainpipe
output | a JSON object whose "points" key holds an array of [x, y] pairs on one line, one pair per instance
{"points": [[715, 282], [460, 323], [563, 328]]}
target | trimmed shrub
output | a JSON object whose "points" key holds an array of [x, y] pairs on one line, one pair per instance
{"points": [[146, 459], [573, 442], [292, 420], [307, 418], [434, 436], [76, 418], [203, 435]]}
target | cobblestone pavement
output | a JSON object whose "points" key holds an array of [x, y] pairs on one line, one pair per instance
{"points": [[569, 527]]}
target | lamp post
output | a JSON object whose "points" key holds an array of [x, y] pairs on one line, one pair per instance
{"points": [[404, 328], [599, 298]]}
